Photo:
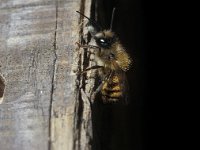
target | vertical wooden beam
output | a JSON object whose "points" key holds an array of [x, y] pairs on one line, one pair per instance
{"points": [[27, 35], [38, 56], [64, 92]]}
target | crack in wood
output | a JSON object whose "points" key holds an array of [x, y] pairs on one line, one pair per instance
{"points": [[53, 77], [79, 104], [2, 88], [82, 121]]}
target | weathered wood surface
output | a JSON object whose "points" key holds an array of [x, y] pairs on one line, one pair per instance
{"points": [[38, 55]]}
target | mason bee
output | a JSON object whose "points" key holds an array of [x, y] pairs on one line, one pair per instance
{"points": [[112, 61]]}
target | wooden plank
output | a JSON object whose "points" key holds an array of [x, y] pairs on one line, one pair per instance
{"points": [[64, 94], [38, 56], [27, 36], [67, 124]]}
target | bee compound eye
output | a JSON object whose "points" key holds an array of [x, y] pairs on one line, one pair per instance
{"points": [[102, 40]]}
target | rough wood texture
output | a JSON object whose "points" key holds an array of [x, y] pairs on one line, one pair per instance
{"points": [[67, 104], [42, 106]]}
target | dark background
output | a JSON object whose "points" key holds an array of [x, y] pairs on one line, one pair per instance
{"points": [[127, 127], [156, 117]]}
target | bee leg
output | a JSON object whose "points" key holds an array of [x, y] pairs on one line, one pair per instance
{"points": [[106, 78], [94, 93], [98, 89], [87, 46], [90, 68], [81, 45], [109, 76]]}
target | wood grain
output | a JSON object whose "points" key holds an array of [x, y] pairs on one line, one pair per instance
{"points": [[38, 57]]}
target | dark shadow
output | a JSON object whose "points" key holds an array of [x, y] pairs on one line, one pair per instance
{"points": [[117, 126], [2, 87]]}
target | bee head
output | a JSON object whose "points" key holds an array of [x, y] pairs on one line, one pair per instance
{"points": [[105, 39]]}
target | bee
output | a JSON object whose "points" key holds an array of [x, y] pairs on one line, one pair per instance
{"points": [[112, 61]]}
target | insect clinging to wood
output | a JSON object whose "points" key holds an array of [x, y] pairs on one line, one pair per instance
{"points": [[112, 61]]}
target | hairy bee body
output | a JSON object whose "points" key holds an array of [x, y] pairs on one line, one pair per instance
{"points": [[112, 61], [112, 90], [115, 61]]}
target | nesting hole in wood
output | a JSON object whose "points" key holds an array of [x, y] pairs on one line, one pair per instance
{"points": [[2, 88]]}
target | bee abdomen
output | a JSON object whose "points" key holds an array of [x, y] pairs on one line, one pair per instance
{"points": [[111, 95], [112, 91]]}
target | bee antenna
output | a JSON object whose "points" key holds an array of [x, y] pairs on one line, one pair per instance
{"points": [[112, 18], [92, 21]]}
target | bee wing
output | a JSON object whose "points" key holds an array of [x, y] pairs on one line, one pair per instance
{"points": [[125, 87]]}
